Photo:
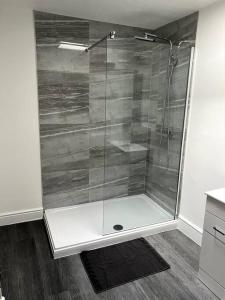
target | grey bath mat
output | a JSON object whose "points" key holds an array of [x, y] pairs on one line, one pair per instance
{"points": [[118, 264]]}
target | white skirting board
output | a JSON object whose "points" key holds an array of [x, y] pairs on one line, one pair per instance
{"points": [[190, 230], [21, 216]]}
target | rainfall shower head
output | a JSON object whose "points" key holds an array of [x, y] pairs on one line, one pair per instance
{"points": [[147, 34], [152, 37], [146, 39], [72, 46]]}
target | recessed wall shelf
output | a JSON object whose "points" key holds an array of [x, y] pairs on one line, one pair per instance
{"points": [[126, 146]]}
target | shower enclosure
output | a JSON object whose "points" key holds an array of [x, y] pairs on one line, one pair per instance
{"points": [[112, 123], [144, 129]]}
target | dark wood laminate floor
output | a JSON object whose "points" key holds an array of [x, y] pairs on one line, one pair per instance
{"points": [[29, 273]]}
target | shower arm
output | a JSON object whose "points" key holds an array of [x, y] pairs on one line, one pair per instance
{"points": [[110, 35]]}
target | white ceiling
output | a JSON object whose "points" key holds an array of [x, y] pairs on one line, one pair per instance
{"points": [[142, 13]]}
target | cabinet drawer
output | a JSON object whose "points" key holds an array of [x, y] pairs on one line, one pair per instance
{"points": [[212, 259], [215, 226], [215, 207]]}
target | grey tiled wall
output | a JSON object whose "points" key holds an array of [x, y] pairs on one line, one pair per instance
{"points": [[82, 119], [162, 173], [101, 111]]}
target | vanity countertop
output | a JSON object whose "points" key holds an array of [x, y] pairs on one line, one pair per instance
{"points": [[218, 194]]}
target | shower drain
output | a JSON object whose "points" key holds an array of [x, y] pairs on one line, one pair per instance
{"points": [[118, 227]]}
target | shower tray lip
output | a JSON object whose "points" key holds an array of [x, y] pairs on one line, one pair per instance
{"points": [[76, 224], [109, 239]]}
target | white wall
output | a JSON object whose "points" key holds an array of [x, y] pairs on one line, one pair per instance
{"points": [[204, 166], [20, 177]]}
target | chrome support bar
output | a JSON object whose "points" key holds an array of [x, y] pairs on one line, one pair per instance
{"points": [[111, 35], [185, 128]]}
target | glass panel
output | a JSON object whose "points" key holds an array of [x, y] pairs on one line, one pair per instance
{"points": [[119, 95], [166, 141], [143, 133], [126, 140], [97, 90]]}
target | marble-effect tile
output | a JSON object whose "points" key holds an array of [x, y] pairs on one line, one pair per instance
{"points": [[89, 103]]}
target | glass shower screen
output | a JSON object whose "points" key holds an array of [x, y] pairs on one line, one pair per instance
{"points": [[144, 122], [126, 135]]}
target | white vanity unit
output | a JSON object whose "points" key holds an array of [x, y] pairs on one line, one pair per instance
{"points": [[212, 259]]}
